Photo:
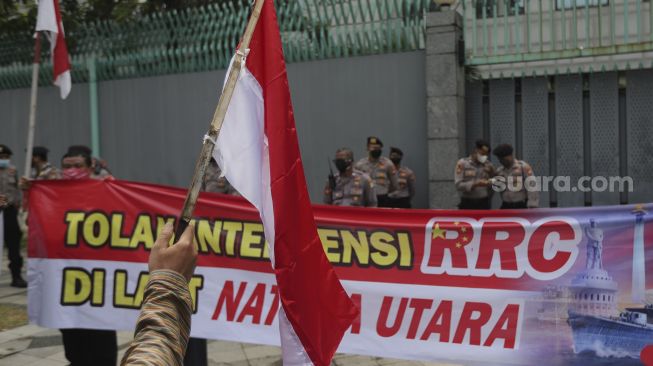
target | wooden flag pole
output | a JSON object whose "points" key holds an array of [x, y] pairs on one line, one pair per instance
{"points": [[32, 105], [216, 122]]}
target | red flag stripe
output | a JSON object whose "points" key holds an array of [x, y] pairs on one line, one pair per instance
{"points": [[315, 303]]}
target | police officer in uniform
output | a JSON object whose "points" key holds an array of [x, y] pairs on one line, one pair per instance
{"points": [[380, 169], [513, 174], [12, 233], [405, 181], [215, 183], [473, 178], [349, 187]]}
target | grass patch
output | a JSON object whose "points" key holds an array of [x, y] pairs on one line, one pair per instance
{"points": [[12, 316]]}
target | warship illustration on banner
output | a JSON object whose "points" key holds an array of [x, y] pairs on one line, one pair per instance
{"points": [[593, 305]]}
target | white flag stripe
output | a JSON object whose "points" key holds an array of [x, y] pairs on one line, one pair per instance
{"points": [[46, 20], [243, 155]]}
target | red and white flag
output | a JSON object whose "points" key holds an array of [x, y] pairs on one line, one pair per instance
{"points": [[259, 154], [49, 22]]}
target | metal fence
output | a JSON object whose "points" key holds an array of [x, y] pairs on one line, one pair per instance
{"points": [[499, 31], [203, 38]]}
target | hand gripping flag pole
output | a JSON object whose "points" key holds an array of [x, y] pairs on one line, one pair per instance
{"points": [[216, 123]]}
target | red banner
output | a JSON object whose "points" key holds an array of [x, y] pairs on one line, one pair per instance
{"points": [[431, 284]]}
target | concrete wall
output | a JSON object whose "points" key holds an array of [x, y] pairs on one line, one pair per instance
{"points": [[151, 128]]}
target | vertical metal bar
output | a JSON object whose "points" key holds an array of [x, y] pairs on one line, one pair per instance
{"points": [[650, 19], [575, 22], [552, 25], [600, 24], [623, 136], [612, 22], [588, 40], [563, 27], [485, 27], [626, 25], [638, 7], [93, 99], [517, 27], [474, 29], [527, 9], [541, 26], [495, 36], [506, 6]]}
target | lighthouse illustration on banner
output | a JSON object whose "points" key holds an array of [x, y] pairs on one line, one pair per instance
{"points": [[592, 309]]}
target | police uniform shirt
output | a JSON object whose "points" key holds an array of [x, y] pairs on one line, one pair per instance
{"points": [[382, 172], [405, 183], [354, 190], [516, 176], [468, 172], [9, 185]]}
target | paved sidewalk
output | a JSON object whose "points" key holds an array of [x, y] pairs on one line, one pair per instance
{"points": [[31, 345]]}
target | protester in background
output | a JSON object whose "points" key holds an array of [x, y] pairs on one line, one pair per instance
{"points": [[472, 178], [214, 182], [380, 169], [513, 174], [86, 346], [405, 181], [163, 326], [12, 232], [99, 166], [41, 168], [3, 201], [349, 187]]}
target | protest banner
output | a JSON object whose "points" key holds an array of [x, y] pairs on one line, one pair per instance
{"points": [[507, 286]]}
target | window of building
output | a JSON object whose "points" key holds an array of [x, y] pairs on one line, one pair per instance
{"points": [[569, 4], [498, 8]]}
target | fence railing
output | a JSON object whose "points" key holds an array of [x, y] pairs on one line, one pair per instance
{"points": [[498, 31], [204, 38]]}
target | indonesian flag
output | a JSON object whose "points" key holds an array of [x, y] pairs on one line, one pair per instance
{"points": [[49, 22], [258, 152]]}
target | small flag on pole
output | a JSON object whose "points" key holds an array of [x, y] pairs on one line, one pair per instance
{"points": [[258, 152], [49, 22]]}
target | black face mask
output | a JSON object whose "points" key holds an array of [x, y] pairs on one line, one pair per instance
{"points": [[341, 164], [375, 153], [396, 161]]}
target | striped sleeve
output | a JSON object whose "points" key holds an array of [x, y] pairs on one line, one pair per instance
{"points": [[163, 326]]}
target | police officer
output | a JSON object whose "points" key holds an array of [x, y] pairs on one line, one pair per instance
{"points": [[12, 233], [215, 183], [405, 181], [349, 187], [511, 180], [380, 169], [472, 178]]}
